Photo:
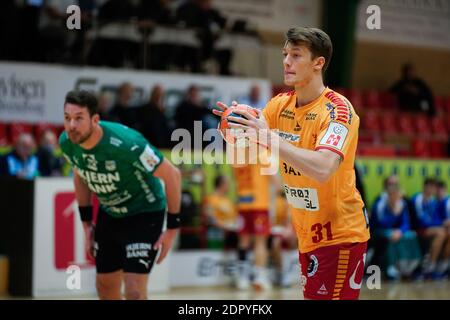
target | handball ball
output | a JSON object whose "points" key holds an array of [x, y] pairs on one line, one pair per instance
{"points": [[231, 136]]}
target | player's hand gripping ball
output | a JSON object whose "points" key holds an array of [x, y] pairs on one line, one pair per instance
{"points": [[231, 135]]}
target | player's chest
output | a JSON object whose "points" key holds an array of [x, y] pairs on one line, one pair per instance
{"points": [[102, 163], [300, 129]]}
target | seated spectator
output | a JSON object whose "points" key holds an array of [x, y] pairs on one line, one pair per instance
{"points": [[118, 51], [208, 22], [430, 224], [104, 107], [254, 98], [56, 39], [122, 111], [192, 109], [221, 216], [413, 94], [444, 213], [49, 163], [160, 54], [390, 223], [21, 162], [151, 120]]}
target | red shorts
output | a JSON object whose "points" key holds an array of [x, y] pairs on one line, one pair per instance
{"points": [[254, 222], [333, 272]]}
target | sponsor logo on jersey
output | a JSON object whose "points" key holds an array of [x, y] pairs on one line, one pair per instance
{"points": [[335, 136], [288, 136], [297, 127], [110, 165], [290, 170], [149, 159], [311, 116], [100, 183], [302, 198], [90, 161], [115, 142], [287, 114]]}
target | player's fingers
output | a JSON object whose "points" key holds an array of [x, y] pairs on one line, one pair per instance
{"points": [[158, 243], [238, 126], [221, 105], [239, 120], [163, 253], [234, 103], [217, 112], [245, 114]]}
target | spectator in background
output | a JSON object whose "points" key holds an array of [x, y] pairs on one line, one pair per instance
{"points": [[104, 107], [56, 39], [413, 94], [115, 52], [192, 109], [208, 22], [122, 111], [221, 216], [157, 11], [21, 162], [152, 14], [152, 121], [254, 98], [49, 163], [391, 224], [430, 224], [444, 213]]}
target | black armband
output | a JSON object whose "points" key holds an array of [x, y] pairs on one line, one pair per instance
{"points": [[85, 213], [173, 220]]}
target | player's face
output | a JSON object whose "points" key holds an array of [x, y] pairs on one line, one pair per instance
{"points": [[299, 66], [78, 124]]}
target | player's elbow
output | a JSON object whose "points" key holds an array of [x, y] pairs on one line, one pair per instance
{"points": [[323, 174]]}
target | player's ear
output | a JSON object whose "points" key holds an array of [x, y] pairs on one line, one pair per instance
{"points": [[96, 118], [319, 63]]}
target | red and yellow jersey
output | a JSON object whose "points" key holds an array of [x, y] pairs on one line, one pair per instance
{"points": [[221, 208], [327, 213], [252, 188]]}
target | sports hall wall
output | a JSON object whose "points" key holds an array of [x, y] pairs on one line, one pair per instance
{"points": [[414, 32]]}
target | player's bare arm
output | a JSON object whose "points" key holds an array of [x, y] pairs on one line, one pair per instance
{"points": [[84, 199], [172, 182], [318, 165]]}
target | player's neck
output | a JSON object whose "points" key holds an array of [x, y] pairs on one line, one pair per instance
{"points": [[310, 92], [94, 139]]}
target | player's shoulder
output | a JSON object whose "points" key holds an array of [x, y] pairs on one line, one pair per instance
{"points": [[282, 97], [120, 136], [64, 142], [339, 107]]}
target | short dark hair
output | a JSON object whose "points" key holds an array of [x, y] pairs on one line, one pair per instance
{"points": [[429, 181], [316, 40], [441, 184], [83, 99]]}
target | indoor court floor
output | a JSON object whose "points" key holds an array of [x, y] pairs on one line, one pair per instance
{"points": [[426, 290]]}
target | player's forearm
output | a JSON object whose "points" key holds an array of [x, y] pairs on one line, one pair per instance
{"points": [[313, 164]]}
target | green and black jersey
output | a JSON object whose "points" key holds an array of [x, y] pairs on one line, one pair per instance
{"points": [[119, 170]]}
